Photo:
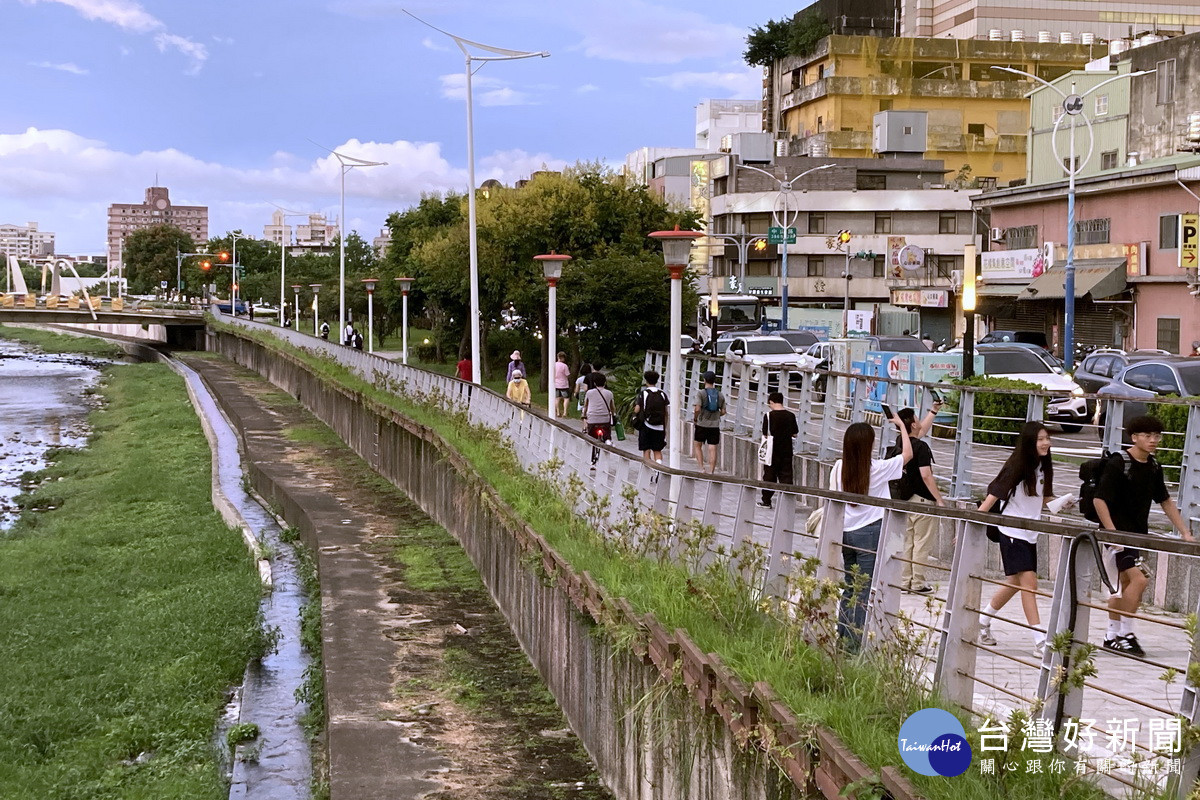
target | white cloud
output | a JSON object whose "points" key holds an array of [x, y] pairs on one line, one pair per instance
{"points": [[739, 83], [66, 66], [66, 181], [429, 44], [487, 91], [643, 33], [587, 87], [130, 16]]}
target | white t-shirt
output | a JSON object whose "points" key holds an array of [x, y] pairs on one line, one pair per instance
{"points": [[1025, 506], [882, 471]]}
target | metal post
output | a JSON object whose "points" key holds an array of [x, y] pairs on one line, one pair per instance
{"points": [[282, 271], [846, 307], [552, 341], [342, 261], [675, 365], [783, 281], [404, 339], [471, 229], [233, 286], [370, 320], [1069, 288], [178, 272]]}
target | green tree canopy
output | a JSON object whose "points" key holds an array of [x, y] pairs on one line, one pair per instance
{"points": [[149, 256], [797, 36]]}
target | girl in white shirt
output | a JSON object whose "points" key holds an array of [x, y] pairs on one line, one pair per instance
{"points": [[856, 472], [1025, 483]]}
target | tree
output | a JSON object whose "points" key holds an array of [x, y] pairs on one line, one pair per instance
{"points": [[797, 36], [149, 256]]}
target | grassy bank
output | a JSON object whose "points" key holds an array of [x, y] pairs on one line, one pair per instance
{"points": [[864, 702], [126, 611], [61, 343]]}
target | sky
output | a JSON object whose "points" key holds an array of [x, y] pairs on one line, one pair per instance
{"points": [[237, 105]]}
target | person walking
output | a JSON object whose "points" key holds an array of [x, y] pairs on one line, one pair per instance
{"points": [[348, 335], [464, 368], [780, 424], [562, 386], [651, 407], [1132, 480], [515, 363], [706, 423], [358, 340], [1025, 485], [917, 485], [582, 384], [856, 472], [518, 389], [598, 413], [325, 331]]}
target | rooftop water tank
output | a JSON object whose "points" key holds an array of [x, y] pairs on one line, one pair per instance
{"points": [[1045, 37], [995, 35], [1087, 37], [1066, 37], [1017, 36], [1118, 46]]}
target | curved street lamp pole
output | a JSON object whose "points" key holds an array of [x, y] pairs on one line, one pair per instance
{"points": [[283, 245]]}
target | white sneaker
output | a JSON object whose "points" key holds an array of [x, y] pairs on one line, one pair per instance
{"points": [[1039, 650], [986, 638]]}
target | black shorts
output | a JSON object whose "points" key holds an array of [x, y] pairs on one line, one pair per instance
{"points": [[1017, 555], [650, 439], [563, 393], [705, 435], [1127, 559]]}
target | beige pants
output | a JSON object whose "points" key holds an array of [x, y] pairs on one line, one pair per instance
{"points": [[918, 546]]}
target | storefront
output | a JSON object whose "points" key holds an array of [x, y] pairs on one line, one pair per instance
{"points": [[936, 308]]}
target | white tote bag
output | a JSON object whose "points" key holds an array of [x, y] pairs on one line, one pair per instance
{"points": [[767, 446]]}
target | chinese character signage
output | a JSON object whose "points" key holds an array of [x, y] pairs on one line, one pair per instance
{"points": [[1011, 264]]}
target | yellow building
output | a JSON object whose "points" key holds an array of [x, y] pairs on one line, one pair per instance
{"points": [[824, 104]]}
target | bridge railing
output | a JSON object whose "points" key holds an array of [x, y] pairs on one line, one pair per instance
{"points": [[937, 635]]}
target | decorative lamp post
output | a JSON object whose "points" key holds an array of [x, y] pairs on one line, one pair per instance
{"points": [[552, 267], [285, 236], [370, 283], [235, 235], [316, 287], [968, 304], [296, 322], [676, 246], [405, 285]]}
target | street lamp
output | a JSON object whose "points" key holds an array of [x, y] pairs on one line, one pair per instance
{"points": [[283, 244], [785, 190], [1072, 105], [676, 246], [348, 163], [405, 285], [968, 304], [370, 283], [552, 267], [234, 284], [316, 287], [499, 54], [296, 322]]}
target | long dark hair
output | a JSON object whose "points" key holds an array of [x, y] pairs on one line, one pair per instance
{"points": [[856, 458], [1022, 465]]}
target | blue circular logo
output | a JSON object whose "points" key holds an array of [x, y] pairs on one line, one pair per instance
{"points": [[933, 742]]}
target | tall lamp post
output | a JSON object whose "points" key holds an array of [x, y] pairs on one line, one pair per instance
{"points": [[676, 246], [316, 287], [284, 235], [786, 185], [968, 304], [347, 163], [552, 267], [296, 322], [1072, 105], [498, 54], [370, 284], [235, 235], [405, 285]]}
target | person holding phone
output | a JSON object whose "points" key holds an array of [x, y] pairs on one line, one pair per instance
{"points": [[856, 472]]}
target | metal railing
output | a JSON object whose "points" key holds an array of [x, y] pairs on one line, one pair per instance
{"points": [[989, 681]]}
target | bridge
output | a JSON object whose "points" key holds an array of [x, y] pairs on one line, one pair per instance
{"points": [[1126, 709], [177, 327]]}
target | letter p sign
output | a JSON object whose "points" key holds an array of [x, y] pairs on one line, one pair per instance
{"points": [[1189, 240]]}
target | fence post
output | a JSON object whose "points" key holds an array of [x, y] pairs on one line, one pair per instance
{"points": [[1114, 424], [804, 409], [960, 484], [780, 549], [858, 402], [957, 650], [1035, 409], [1060, 620], [1189, 709], [1189, 471], [884, 601], [825, 449]]}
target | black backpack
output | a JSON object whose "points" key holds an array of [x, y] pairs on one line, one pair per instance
{"points": [[654, 406], [1091, 473], [905, 486]]}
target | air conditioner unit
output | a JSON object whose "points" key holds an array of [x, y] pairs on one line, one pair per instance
{"points": [[956, 278], [1048, 254], [997, 234]]}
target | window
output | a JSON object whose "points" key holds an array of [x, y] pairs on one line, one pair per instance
{"points": [[1108, 159], [975, 129], [1165, 76], [1168, 232], [885, 105], [816, 222], [820, 72], [878, 267], [947, 222], [987, 182], [870, 182], [820, 124], [1092, 231], [1157, 378], [1168, 334], [1101, 105], [946, 266], [1021, 238], [816, 266], [883, 223], [1067, 165], [1056, 112]]}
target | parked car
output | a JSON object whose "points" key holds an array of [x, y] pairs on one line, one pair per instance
{"points": [[1145, 380], [224, 307], [718, 347], [1100, 367], [1068, 409], [759, 354], [799, 340], [896, 344], [1007, 337]]}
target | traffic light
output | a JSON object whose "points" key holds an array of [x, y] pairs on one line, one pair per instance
{"points": [[223, 255], [206, 265], [843, 237], [760, 244]]}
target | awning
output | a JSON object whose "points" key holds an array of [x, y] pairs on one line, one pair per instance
{"points": [[1099, 277], [1009, 290]]}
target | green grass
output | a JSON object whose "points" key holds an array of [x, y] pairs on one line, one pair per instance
{"points": [[125, 613], [61, 343], [849, 697], [433, 560]]}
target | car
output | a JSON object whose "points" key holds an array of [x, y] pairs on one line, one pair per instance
{"points": [[718, 347], [1101, 366], [759, 354], [1008, 337], [1143, 381], [1069, 409], [224, 306], [799, 340], [896, 344]]}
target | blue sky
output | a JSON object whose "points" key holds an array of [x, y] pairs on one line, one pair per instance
{"points": [[224, 101]]}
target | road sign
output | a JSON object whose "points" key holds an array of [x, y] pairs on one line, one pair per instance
{"points": [[775, 235], [1073, 104], [1189, 240], [162, 284]]}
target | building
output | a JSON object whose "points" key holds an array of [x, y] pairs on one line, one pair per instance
{"points": [[1166, 102], [858, 17], [315, 236], [823, 105], [716, 119], [1108, 111], [125, 218], [1043, 22], [26, 242], [381, 242], [906, 246], [278, 231]]}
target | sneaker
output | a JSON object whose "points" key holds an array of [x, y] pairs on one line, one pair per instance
{"points": [[1124, 644], [986, 638], [923, 589], [1135, 648], [761, 504], [1039, 650]]}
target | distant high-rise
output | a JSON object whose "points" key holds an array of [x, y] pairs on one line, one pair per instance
{"points": [[1056, 21], [26, 241], [125, 218]]}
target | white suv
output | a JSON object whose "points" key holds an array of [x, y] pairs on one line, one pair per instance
{"points": [[759, 355]]}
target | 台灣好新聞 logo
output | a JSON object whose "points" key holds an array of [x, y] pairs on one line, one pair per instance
{"points": [[933, 742]]}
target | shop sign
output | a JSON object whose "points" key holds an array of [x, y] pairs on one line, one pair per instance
{"points": [[925, 298], [1011, 264]]}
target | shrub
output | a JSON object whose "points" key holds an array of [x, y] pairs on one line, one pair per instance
{"points": [[1170, 452], [998, 417]]}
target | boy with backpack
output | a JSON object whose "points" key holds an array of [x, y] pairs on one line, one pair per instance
{"points": [[1124, 486], [706, 422], [650, 414]]}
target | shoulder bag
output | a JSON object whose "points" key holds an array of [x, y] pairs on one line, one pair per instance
{"points": [[766, 447]]}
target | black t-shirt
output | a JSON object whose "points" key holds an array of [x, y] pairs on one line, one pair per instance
{"points": [[912, 483], [1129, 498], [783, 427]]}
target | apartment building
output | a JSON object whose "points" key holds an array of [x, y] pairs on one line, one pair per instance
{"points": [[1037, 20], [26, 242], [157, 209]]}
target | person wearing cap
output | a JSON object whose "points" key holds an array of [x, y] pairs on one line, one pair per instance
{"points": [[518, 388], [515, 363], [706, 422]]}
